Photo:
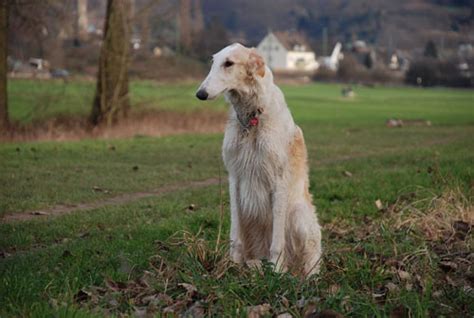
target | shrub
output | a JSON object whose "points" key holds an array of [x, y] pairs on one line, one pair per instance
{"points": [[431, 72]]}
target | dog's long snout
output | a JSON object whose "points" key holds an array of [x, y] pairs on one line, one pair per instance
{"points": [[202, 94]]}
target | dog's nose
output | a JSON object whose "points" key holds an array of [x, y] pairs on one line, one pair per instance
{"points": [[202, 94]]}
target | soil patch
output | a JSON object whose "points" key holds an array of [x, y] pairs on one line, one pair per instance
{"points": [[156, 123]]}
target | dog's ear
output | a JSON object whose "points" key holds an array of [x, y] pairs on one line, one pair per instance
{"points": [[255, 64]]}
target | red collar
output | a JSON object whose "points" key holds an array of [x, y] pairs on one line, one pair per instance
{"points": [[253, 121]]}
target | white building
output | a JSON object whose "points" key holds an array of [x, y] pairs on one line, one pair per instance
{"points": [[332, 62], [287, 52]]}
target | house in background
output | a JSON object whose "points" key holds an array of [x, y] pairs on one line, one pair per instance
{"points": [[285, 51]]}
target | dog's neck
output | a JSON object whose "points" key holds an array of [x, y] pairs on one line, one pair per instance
{"points": [[247, 106], [251, 103]]}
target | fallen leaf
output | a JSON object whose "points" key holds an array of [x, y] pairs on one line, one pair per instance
{"points": [[310, 311], [125, 266], [150, 299], [175, 308], [84, 235], [301, 302], [66, 253], [348, 174], [191, 207], [258, 311], [462, 229], [99, 189], [140, 312], [329, 313], [391, 287], [399, 312], [190, 289], [197, 310], [334, 289], [346, 304], [165, 298], [39, 213], [468, 289], [379, 204], [450, 281], [403, 275], [81, 296], [115, 286], [437, 294], [114, 303], [379, 294], [4, 254], [448, 266]]}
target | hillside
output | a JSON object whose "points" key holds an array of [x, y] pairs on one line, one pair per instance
{"points": [[401, 24]]}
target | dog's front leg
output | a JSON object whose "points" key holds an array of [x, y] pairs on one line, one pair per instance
{"points": [[279, 211], [235, 241]]}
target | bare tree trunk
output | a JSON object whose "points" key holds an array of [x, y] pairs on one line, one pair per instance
{"points": [[111, 99], [4, 122], [185, 25], [82, 20], [198, 18], [145, 29]]}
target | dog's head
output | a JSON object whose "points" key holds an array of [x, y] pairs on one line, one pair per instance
{"points": [[233, 68]]}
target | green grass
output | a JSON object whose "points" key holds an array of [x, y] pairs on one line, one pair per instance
{"points": [[52, 259], [49, 99], [315, 103], [39, 175]]}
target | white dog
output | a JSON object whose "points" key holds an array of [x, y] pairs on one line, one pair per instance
{"points": [[272, 215]]}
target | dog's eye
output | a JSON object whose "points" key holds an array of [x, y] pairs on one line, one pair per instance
{"points": [[228, 64]]}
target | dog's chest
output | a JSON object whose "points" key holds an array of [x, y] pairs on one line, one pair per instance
{"points": [[252, 159], [253, 153]]}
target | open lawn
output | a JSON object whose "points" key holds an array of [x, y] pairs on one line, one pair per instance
{"points": [[149, 251]]}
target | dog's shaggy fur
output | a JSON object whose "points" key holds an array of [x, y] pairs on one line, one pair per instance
{"points": [[272, 215]]}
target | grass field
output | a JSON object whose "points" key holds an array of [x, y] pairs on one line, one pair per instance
{"points": [[412, 257]]}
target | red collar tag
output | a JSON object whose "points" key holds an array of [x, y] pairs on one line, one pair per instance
{"points": [[253, 121]]}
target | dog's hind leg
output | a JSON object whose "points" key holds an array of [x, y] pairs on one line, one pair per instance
{"points": [[312, 256], [308, 239]]}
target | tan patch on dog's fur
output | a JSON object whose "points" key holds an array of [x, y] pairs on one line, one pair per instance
{"points": [[255, 64], [298, 162]]}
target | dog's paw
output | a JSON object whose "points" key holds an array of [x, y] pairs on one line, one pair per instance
{"points": [[314, 269], [254, 264], [236, 256], [278, 260]]}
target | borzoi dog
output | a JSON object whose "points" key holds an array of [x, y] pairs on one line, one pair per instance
{"points": [[272, 215]]}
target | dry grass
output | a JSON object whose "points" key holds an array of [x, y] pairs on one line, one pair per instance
{"points": [[193, 276], [437, 217], [167, 287], [157, 123]]}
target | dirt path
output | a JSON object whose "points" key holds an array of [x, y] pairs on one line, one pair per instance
{"points": [[131, 197], [117, 200]]}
